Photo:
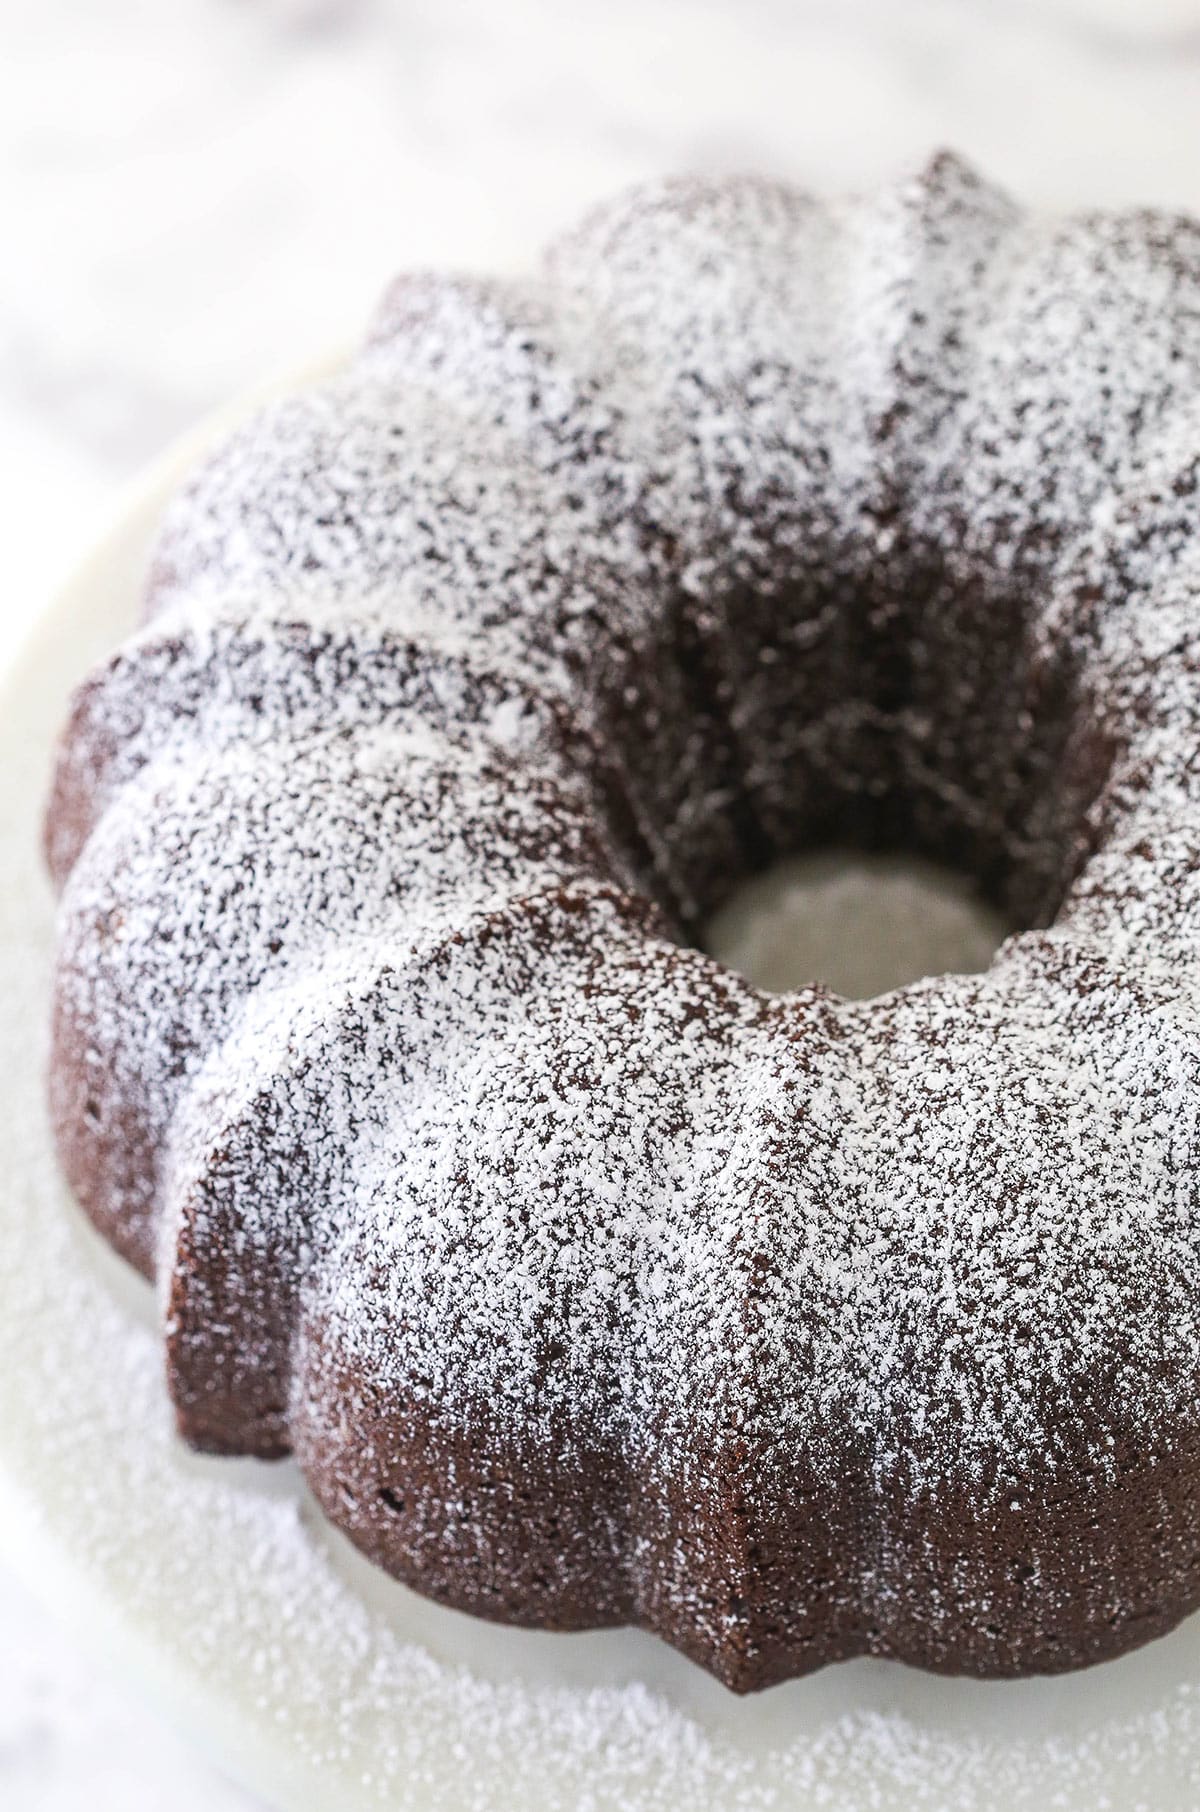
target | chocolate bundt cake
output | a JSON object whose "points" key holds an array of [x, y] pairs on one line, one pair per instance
{"points": [[588, 1283]]}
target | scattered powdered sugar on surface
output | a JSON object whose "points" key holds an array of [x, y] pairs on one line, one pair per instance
{"points": [[472, 677], [862, 924]]}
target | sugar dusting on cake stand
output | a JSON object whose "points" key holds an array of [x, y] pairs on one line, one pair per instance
{"points": [[860, 924], [324, 1684]]}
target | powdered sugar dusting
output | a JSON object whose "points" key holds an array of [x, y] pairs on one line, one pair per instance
{"points": [[472, 680], [230, 1601]]}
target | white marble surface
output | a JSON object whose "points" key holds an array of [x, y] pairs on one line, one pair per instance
{"points": [[196, 194], [71, 1738]]}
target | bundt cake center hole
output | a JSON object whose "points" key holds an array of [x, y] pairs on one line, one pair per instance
{"points": [[918, 721], [860, 923]]}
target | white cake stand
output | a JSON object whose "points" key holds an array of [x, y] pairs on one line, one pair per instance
{"points": [[325, 1686]]}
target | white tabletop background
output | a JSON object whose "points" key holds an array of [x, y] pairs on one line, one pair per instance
{"points": [[196, 194]]}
